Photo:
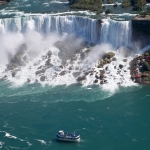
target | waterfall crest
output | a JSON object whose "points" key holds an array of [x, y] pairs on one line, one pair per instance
{"points": [[117, 33]]}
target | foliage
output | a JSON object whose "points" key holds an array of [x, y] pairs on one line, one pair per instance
{"points": [[104, 7], [143, 14], [109, 1], [93, 5], [138, 4], [125, 3], [148, 9], [99, 12]]}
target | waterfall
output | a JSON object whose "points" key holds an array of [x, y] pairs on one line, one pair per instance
{"points": [[117, 33], [81, 26]]}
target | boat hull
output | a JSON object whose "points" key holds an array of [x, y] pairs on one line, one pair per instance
{"points": [[68, 140]]}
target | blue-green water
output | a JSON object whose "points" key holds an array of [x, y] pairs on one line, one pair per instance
{"points": [[104, 120], [32, 114]]}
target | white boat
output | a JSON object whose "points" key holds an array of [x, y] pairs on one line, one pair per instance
{"points": [[69, 137]]}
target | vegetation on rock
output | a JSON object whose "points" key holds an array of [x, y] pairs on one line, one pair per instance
{"points": [[93, 5], [140, 68], [126, 3], [138, 4]]}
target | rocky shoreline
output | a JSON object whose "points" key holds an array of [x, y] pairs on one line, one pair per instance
{"points": [[140, 68], [73, 65]]}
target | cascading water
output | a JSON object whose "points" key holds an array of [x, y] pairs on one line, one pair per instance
{"points": [[81, 26], [34, 32], [116, 33]]}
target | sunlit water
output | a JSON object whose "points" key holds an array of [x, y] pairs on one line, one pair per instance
{"points": [[32, 115], [106, 117]]}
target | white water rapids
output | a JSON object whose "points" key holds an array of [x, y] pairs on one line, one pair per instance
{"points": [[40, 33]]}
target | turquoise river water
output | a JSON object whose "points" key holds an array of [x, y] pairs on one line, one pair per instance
{"points": [[32, 114]]}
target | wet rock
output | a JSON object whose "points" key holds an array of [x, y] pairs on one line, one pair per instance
{"points": [[36, 80], [86, 73], [42, 78], [76, 74], [40, 71], [28, 80], [62, 73], [40, 67], [61, 66], [101, 64], [106, 68], [97, 76], [101, 76], [95, 81], [124, 60], [146, 54], [49, 54], [5, 76], [11, 66], [81, 78], [48, 63], [36, 63], [146, 66], [120, 66], [101, 82], [108, 55], [114, 59], [70, 68], [25, 58], [13, 74]]}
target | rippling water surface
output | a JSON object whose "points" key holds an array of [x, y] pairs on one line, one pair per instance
{"points": [[32, 115], [107, 118]]}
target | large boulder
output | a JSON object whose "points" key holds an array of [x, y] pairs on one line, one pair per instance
{"points": [[108, 55], [42, 78], [62, 73], [49, 54], [81, 78], [76, 74], [48, 62], [146, 66], [13, 73], [40, 71]]}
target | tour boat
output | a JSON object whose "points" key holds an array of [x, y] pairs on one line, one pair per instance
{"points": [[69, 137]]}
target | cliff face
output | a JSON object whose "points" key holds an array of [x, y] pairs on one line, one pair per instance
{"points": [[141, 31]]}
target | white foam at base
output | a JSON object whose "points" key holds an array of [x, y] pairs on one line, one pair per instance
{"points": [[41, 141]]}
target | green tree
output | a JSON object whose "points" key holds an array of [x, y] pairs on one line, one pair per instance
{"points": [[125, 3], [138, 4]]}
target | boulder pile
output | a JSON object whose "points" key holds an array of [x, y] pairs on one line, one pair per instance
{"points": [[140, 68]]}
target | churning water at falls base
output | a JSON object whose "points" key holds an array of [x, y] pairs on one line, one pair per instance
{"points": [[72, 31]]}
